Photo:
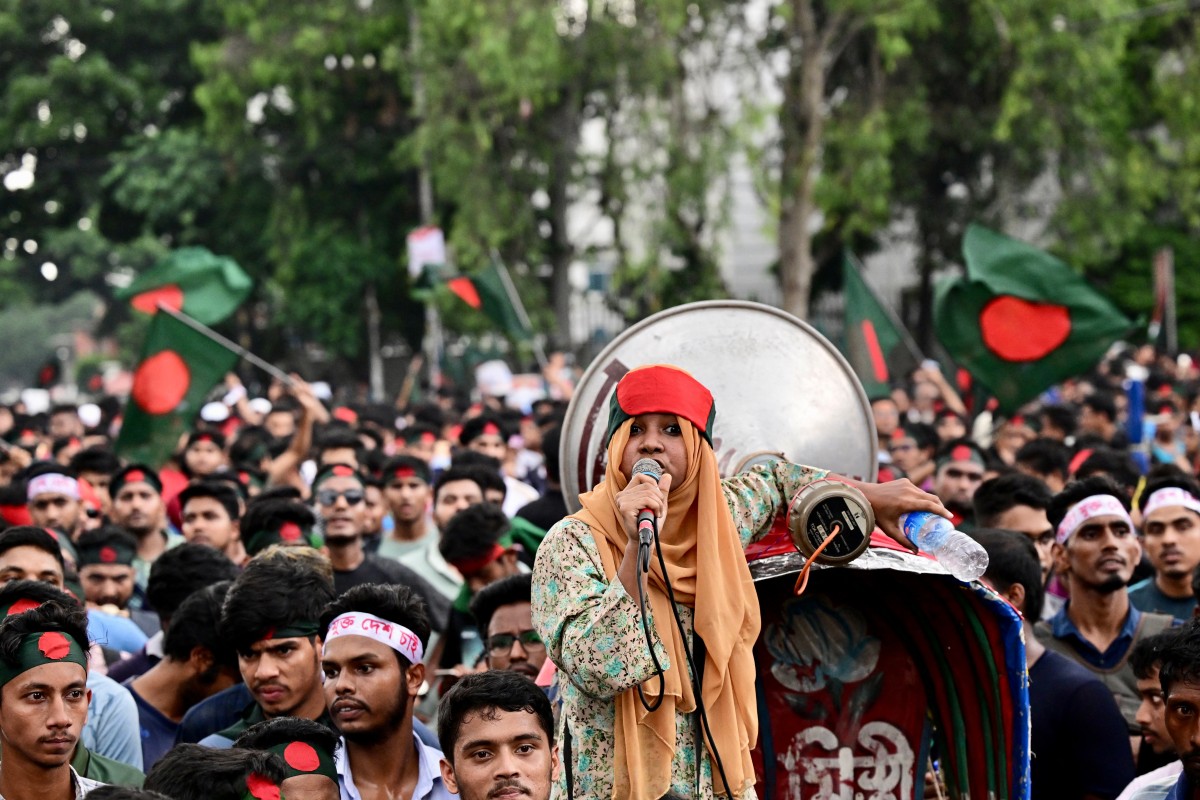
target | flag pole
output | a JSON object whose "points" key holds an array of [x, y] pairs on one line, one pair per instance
{"points": [[515, 299], [243, 353]]}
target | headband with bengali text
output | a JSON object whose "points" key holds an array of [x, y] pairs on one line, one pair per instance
{"points": [[53, 483], [393, 634], [1171, 496], [1098, 505]]}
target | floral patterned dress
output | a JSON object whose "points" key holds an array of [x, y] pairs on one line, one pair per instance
{"points": [[593, 632]]}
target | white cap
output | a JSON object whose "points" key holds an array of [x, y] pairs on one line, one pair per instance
{"points": [[261, 405], [215, 411], [494, 378], [90, 415]]}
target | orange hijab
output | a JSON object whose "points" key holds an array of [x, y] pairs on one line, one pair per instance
{"points": [[708, 572]]}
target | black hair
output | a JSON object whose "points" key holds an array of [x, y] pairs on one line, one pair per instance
{"points": [[415, 431], [393, 602], [219, 490], [270, 513], [195, 772], [371, 433], [250, 445], [457, 473], [1013, 559], [277, 493], [95, 459], [196, 623], [923, 435], [431, 415], [338, 438], [1146, 653], [206, 433], [1102, 403], [182, 570], [997, 495], [54, 615], [506, 591], [551, 440], [274, 591], [1174, 481], [1045, 457], [472, 532], [372, 462], [283, 730], [1116, 464], [62, 443], [1080, 490], [45, 468], [37, 591], [1063, 417], [419, 467], [472, 429], [109, 792], [107, 536], [29, 536], [484, 470], [487, 693], [947, 449], [62, 408], [1180, 660]]}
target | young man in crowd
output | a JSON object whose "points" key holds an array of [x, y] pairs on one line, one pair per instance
{"points": [[487, 435], [204, 455], [373, 653], [306, 747], [497, 729], [114, 702], [96, 465], [1179, 675], [1095, 553], [278, 521], [197, 663], [551, 506], [138, 507], [959, 471], [504, 616], [455, 489], [53, 496], [211, 513], [43, 702], [1017, 502], [338, 493], [1064, 698], [32, 554], [193, 772], [413, 540], [174, 577], [1048, 461], [270, 618], [1156, 759], [106, 573], [1171, 537]]}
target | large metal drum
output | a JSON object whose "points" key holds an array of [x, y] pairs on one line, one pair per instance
{"points": [[781, 389]]}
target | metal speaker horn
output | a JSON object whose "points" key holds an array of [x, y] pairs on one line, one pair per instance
{"points": [[781, 390]]}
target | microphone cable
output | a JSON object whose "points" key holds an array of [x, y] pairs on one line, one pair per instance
{"points": [[643, 568], [643, 571]]}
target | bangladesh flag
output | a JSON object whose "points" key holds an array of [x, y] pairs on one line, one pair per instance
{"points": [[1021, 320], [178, 369], [878, 345], [206, 287], [487, 291]]}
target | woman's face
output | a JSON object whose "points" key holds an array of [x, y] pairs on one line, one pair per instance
{"points": [[658, 437]]}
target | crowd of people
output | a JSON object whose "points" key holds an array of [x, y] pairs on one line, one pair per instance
{"points": [[320, 601]]}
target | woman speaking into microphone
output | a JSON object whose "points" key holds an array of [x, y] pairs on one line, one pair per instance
{"points": [[680, 718]]}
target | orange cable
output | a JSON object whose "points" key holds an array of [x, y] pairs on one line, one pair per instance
{"points": [[802, 578]]}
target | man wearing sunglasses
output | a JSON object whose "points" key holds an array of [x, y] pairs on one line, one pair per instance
{"points": [[505, 618], [340, 502]]}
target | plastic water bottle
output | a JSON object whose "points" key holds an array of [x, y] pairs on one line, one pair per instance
{"points": [[962, 556]]}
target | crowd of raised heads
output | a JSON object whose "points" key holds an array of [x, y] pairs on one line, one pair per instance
{"points": [[309, 599], [317, 599], [1087, 502]]}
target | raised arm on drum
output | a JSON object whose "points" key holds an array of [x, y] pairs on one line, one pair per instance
{"points": [[642, 492], [890, 500]]}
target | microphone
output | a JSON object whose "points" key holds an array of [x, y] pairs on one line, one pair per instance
{"points": [[646, 518]]}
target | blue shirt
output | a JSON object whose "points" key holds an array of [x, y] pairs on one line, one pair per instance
{"points": [[429, 773], [117, 633], [1064, 629], [158, 731], [1182, 790], [112, 728]]}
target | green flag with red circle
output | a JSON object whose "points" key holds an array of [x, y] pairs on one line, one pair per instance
{"points": [[877, 345], [1021, 320], [179, 367], [206, 287]]}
